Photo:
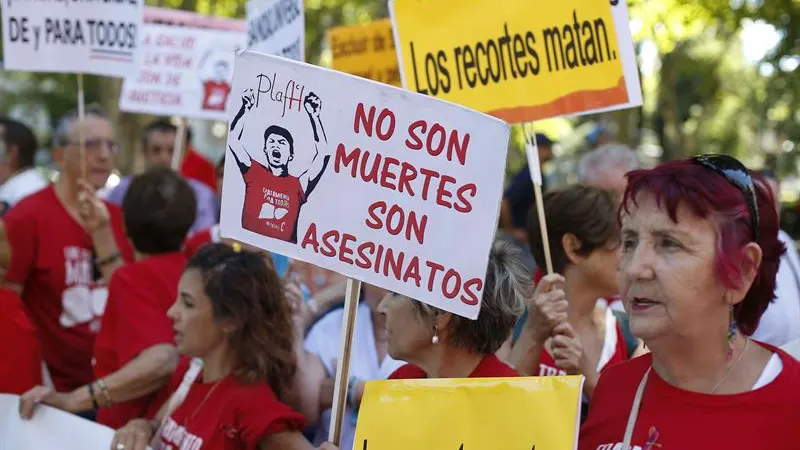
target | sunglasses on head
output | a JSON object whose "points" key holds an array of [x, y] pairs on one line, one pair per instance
{"points": [[737, 175]]}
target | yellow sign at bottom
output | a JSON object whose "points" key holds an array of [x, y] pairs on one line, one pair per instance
{"points": [[541, 413]]}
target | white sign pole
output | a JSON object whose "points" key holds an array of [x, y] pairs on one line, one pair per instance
{"points": [[81, 116], [532, 154], [343, 366], [180, 144]]}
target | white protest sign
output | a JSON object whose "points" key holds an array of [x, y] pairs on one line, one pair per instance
{"points": [[50, 428], [182, 71], [277, 27], [65, 36], [386, 186]]}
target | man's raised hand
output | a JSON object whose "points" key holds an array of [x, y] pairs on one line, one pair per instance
{"points": [[313, 104], [248, 98]]}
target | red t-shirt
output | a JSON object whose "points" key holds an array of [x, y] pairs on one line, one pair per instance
{"points": [[215, 95], [489, 367], [271, 203], [614, 351], [52, 261], [139, 296], [200, 239], [671, 418], [196, 167], [225, 415], [21, 356]]}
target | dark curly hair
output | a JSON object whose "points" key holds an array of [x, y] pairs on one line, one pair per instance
{"points": [[246, 290]]}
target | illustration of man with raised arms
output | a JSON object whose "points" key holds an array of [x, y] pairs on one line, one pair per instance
{"points": [[273, 197]]}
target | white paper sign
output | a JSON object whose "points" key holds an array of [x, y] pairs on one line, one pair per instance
{"points": [[183, 71], [277, 27], [383, 185], [49, 429], [66, 36]]}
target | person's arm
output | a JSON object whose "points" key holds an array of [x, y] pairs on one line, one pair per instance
{"points": [[312, 175], [146, 374], [323, 301], [546, 309], [527, 351], [237, 147], [310, 372]]}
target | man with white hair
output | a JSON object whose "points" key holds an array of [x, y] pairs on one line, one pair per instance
{"points": [[605, 168]]}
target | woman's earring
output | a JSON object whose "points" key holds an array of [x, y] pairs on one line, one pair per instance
{"points": [[732, 329], [435, 338]]}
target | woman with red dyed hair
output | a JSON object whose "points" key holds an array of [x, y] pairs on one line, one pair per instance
{"points": [[700, 251]]}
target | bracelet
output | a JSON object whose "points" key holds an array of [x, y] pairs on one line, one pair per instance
{"points": [[104, 389], [108, 259], [92, 396]]}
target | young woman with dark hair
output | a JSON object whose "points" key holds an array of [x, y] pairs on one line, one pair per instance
{"points": [[232, 317]]}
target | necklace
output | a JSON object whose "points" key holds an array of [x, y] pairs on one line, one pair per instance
{"points": [[637, 399], [730, 369], [200, 406]]}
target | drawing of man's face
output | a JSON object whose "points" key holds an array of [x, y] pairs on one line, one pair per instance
{"points": [[278, 150]]}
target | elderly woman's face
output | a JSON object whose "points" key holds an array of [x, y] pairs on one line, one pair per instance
{"points": [[407, 331], [667, 272]]}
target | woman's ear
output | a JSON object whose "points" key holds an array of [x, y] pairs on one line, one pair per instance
{"points": [[442, 321], [571, 245], [752, 256]]}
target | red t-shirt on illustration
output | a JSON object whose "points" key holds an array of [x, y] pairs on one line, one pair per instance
{"points": [[52, 260], [196, 167], [135, 319], [489, 367], [225, 415], [671, 418], [21, 355], [215, 95], [271, 203]]}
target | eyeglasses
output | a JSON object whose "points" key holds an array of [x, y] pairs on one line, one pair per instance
{"points": [[737, 175], [95, 145]]}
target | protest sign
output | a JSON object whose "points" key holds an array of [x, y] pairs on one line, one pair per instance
{"points": [[277, 27], [383, 185], [50, 428], [182, 71], [366, 50], [470, 414], [64, 36], [180, 18], [526, 61]]}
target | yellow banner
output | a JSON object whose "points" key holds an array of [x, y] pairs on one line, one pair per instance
{"points": [[470, 414], [367, 51], [519, 60]]}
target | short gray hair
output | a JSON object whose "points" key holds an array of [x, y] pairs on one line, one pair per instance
{"points": [[61, 134], [605, 157], [508, 283]]}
